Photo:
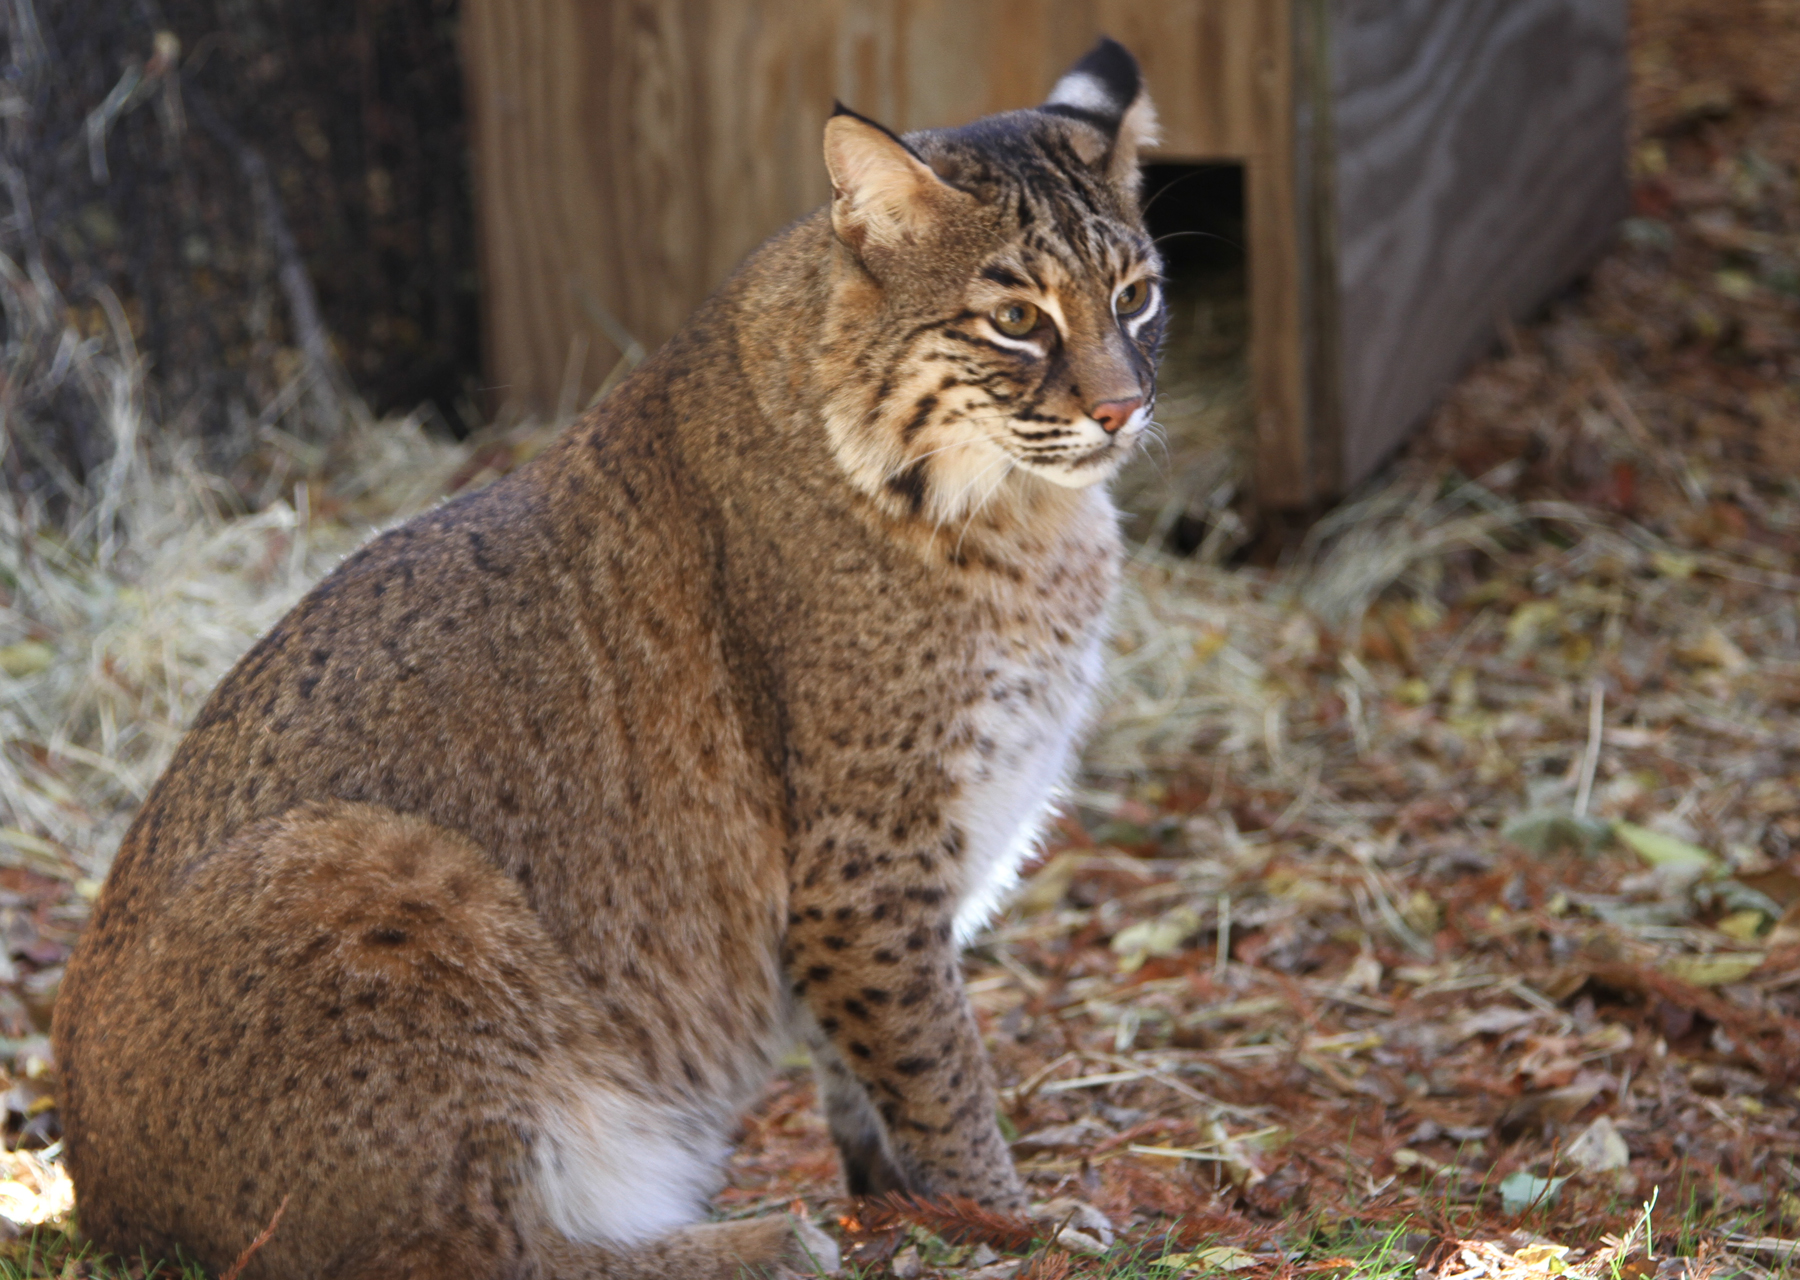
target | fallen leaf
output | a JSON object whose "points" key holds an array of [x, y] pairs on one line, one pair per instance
{"points": [[1414, 692], [1162, 936], [1598, 1148], [1521, 1191], [907, 1264], [1786, 932], [1777, 884], [1528, 623], [1563, 1103], [1661, 850], [1713, 648], [1218, 1257], [1492, 1021], [1238, 1155], [26, 658], [1069, 1212], [1543, 831], [1714, 970], [1671, 564], [1544, 1257], [1079, 1242], [1048, 884], [1742, 925], [1737, 285], [1364, 974]]}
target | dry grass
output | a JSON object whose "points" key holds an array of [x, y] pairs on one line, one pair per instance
{"points": [[117, 618], [125, 598]]}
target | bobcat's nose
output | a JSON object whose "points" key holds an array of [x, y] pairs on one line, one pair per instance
{"points": [[1113, 414]]}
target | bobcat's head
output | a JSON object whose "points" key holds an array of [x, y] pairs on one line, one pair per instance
{"points": [[996, 304]]}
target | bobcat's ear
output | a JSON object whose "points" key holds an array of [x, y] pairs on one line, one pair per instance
{"points": [[1105, 91], [881, 192]]}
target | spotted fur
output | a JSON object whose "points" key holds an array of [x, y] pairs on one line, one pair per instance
{"points": [[485, 892]]}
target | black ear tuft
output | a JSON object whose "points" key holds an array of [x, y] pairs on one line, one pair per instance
{"points": [[1100, 88], [839, 109]]}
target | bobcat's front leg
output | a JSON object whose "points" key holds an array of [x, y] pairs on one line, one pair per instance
{"points": [[876, 967]]}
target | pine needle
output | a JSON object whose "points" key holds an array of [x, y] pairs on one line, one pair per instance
{"points": [[268, 1232], [957, 1219]]}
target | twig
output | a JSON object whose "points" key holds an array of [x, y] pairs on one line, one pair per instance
{"points": [[1223, 958], [1765, 1246], [101, 118], [1203, 1150], [1590, 759], [1182, 1087], [631, 351], [1667, 460], [569, 396], [1095, 1081], [243, 1259], [1024, 1091]]}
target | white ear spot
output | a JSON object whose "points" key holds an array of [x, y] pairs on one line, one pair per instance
{"points": [[1084, 91]]}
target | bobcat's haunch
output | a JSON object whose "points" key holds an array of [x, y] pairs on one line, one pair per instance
{"points": [[486, 890]]}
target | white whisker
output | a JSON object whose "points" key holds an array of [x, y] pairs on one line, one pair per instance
{"points": [[1006, 469], [1154, 431], [931, 453]]}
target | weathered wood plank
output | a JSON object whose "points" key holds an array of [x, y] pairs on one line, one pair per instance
{"points": [[1315, 203], [1480, 152], [1278, 374]]}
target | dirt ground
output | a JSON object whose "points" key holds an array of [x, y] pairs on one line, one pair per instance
{"points": [[1432, 901]]}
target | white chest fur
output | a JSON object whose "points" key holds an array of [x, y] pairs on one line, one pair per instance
{"points": [[1023, 737]]}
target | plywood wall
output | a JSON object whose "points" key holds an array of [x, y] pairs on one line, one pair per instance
{"points": [[1480, 166], [630, 153]]}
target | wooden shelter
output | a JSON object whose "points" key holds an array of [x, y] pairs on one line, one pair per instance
{"points": [[1414, 170]]}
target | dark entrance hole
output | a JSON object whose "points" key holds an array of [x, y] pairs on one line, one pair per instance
{"points": [[1178, 496]]}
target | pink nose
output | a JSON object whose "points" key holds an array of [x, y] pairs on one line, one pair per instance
{"points": [[1113, 414]]}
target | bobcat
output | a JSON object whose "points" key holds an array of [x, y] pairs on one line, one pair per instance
{"points": [[485, 892]]}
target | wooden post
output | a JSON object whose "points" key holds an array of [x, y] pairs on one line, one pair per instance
{"points": [[1272, 216]]}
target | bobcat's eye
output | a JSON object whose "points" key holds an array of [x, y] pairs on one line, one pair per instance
{"points": [[1015, 319], [1132, 298]]}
